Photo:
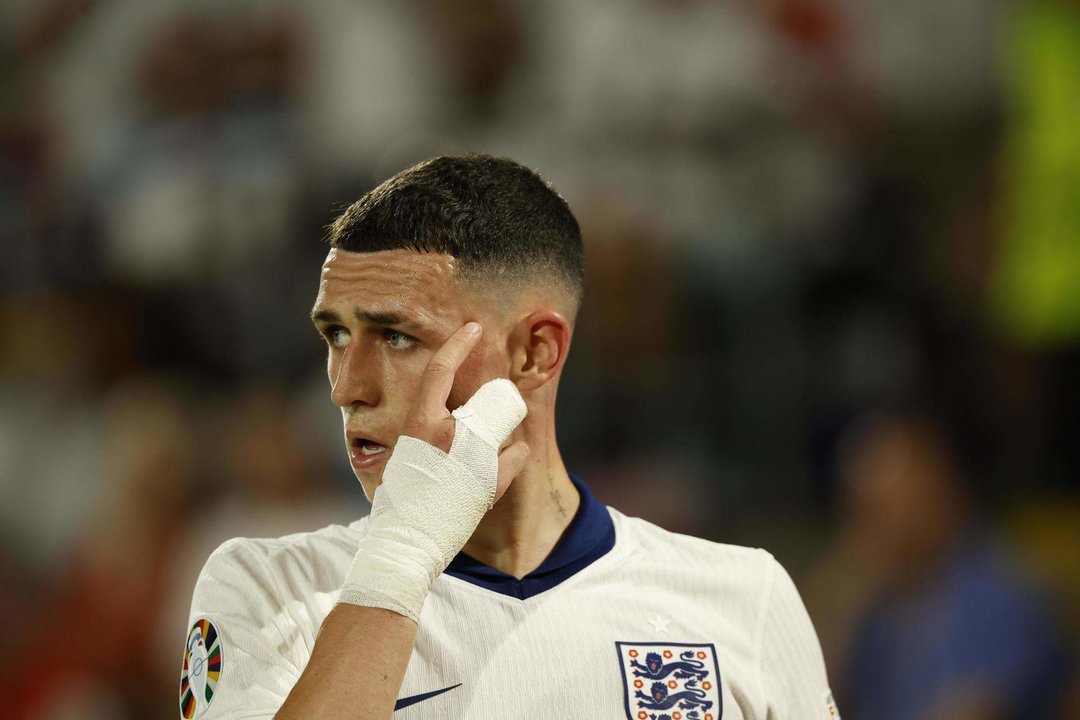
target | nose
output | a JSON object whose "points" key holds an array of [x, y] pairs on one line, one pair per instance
{"points": [[353, 378]]}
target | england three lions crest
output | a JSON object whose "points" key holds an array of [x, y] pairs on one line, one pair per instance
{"points": [[670, 681]]}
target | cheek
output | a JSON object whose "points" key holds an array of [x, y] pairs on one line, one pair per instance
{"points": [[400, 376], [477, 369]]}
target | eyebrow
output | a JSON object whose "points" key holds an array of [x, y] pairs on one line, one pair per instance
{"points": [[365, 316], [381, 318]]}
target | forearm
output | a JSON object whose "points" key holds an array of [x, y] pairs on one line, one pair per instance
{"points": [[356, 667], [429, 503]]}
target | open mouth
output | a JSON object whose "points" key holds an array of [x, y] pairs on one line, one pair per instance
{"points": [[368, 447]]}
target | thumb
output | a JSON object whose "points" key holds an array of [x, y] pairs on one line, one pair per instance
{"points": [[511, 462]]}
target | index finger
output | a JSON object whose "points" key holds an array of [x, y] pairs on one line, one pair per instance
{"points": [[442, 368]]}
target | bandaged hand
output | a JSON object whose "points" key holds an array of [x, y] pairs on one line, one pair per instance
{"points": [[445, 473]]}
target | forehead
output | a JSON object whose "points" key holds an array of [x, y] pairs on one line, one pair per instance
{"points": [[388, 281]]}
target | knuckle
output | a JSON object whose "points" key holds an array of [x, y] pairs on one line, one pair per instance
{"points": [[439, 366], [444, 437], [414, 424], [430, 430]]}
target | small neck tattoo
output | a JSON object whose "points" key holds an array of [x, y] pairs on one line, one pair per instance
{"points": [[557, 499], [554, 492]]}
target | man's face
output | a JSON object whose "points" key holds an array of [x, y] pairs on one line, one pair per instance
{"points": [[383, 315]]}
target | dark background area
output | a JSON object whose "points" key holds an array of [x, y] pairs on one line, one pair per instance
{"points": [[832, 309]]}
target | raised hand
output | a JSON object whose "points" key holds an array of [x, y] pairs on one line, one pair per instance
{"points": [[495, 405], [446, 471]]}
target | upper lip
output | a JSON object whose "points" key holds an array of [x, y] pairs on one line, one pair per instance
{"points": [[356, 435]]}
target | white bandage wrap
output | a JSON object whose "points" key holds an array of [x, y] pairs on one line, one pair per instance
{"points": [[430, 502]]}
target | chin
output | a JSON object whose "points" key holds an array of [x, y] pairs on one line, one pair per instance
{"points": [[369, 483]]}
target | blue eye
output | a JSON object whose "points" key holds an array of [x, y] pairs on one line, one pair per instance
{"points": [[337, 336], [398, 340]]}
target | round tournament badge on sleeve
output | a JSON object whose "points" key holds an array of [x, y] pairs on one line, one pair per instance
{"points": [[201, 669]]}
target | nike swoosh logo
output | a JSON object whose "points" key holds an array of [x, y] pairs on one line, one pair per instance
{"points": [[407, 701]]}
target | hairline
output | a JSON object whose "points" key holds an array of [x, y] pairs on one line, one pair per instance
{"points": [[494, 278]]}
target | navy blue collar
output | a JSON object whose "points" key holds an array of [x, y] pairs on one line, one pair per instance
{"points": [[588, 537]]}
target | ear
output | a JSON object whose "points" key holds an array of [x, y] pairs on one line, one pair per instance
{"points": [[538, 343]]}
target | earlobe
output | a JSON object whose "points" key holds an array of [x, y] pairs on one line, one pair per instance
{"points": [[539, 346]]}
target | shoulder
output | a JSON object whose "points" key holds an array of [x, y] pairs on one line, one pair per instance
{"points": [[298, 548], [300, 563], [754, 564], [731, 580], [258, 605]]}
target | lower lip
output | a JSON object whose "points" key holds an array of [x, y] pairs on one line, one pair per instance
{"points": [[360, 461]]}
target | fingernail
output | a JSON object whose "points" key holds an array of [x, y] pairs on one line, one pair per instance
{"points": [[472, 328]]}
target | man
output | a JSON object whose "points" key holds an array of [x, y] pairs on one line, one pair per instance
{"points": [[487, 582], [943, 623]]}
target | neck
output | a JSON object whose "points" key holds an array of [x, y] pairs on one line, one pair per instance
{"points": [[517, 535]]}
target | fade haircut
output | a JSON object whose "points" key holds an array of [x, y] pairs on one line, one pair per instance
{"points": [[499, 220]]}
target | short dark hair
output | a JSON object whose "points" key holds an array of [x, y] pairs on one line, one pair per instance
{"points": [[498, 219]]}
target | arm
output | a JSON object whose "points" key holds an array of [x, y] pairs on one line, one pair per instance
{"points": [[379, 642], [355, 669], [238, 662], [444, 474], [791, 665]]}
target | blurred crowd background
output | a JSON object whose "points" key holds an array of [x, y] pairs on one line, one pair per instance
{"points": [[833, 306]]}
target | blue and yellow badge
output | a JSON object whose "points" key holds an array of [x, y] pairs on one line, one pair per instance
{"points": [[670, 681], [201, 670]]}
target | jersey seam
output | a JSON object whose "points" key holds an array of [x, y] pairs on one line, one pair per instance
{"points": [[764, 617]]}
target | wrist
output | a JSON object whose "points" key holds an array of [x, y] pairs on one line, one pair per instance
{"points": [[389, 575]]}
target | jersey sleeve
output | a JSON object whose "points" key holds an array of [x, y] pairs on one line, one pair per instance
{"points": [[792, 669], [238, 661]]}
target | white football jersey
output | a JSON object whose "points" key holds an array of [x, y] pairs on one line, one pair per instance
{"points": [[623, 620]]}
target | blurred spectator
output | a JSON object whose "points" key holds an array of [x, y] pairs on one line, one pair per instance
{"points": [[57, 351], [207, 172], [479, 44], [928, 615], [89, 652]]}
